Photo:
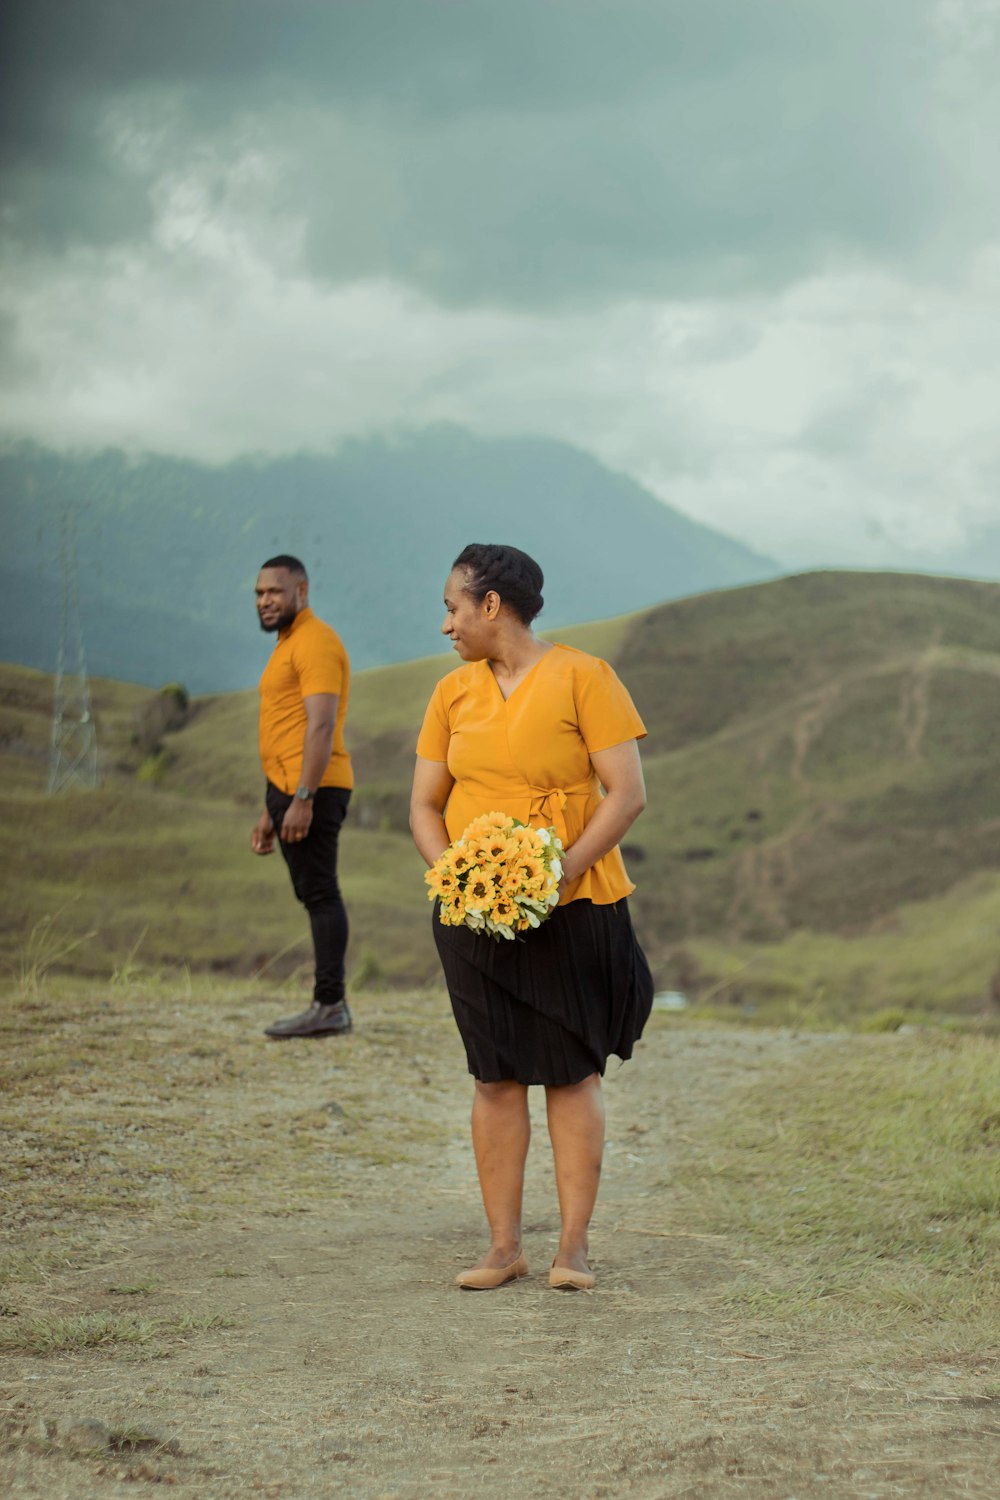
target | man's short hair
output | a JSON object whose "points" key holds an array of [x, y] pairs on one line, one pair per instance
{"points": [[285, 560]]}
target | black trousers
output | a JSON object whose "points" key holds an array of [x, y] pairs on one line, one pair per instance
{"points": [[312, 865]]}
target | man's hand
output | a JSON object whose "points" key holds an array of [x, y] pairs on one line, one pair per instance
{"points": [[297, 821], [262, 837]]}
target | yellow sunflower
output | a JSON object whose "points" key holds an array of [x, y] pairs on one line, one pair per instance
{"points": [[504, 913], [453, 910], [481, 886], [530, 869], [441, 881], [484, 825]]}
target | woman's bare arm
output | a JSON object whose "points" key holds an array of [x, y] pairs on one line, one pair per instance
{"points": [[432, 784], [620, 772]]}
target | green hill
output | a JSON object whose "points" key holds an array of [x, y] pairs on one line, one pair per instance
{"points": [[821, 835]]}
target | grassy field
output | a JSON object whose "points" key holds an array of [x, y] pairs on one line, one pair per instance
{"points": [[932, 959], [226, 1263], [873, 1185], [820, 842]]}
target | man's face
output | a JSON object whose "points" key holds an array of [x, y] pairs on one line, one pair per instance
{"points": [[280, 596]]}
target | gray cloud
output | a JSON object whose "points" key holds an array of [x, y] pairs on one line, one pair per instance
{"points": [[526, 154], [436, 57], [854, 419], [747, 253]]}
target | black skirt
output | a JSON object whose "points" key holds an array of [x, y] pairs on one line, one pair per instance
{"points": [[552, 1005]]}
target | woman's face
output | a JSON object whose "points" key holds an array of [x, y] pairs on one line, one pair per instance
{"points": [[466, 623]]}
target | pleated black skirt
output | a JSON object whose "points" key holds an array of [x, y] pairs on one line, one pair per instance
{"points": [[551, 1006]]}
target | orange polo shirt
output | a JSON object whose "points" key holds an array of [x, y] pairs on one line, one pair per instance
{"points": [[308, 658]]}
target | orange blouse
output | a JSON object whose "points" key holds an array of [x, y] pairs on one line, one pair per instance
{"points": [[529, 755]]}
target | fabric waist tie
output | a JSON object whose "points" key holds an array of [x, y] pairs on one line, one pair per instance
{"points": [[549, 803]]}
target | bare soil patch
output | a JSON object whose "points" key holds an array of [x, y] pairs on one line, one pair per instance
{"points": [[244, 1251]]}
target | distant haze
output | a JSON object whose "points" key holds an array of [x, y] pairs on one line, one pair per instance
{"points": [[747, 254]]}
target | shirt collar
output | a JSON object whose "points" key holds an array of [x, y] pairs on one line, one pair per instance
{"points": [[304, 614]]}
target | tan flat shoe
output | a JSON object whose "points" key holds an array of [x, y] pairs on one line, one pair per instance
{"points": [[568, 1280], [485, 1278]]}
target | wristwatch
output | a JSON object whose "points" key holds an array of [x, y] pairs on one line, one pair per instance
{"points": [[303, 794]]}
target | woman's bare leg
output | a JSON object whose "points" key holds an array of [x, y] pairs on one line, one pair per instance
{"points": [[576, 1127], [501, 1130]]}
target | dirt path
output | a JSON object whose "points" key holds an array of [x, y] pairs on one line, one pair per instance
{"points": [[350, 1367]]}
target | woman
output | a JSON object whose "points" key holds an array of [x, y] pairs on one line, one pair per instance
{"points": [[535, 730]]}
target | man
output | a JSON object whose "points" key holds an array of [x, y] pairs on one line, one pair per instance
{"points": [[303, 703]]}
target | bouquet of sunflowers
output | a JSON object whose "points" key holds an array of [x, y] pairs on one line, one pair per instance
{"points": [[501, 877]]}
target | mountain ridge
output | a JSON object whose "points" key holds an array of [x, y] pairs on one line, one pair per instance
{"points": [[168, 550]]}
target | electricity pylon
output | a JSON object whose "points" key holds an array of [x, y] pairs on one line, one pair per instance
{"points": [[73, 756]]}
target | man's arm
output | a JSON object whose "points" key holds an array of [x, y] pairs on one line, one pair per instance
{"points": [[321, 720], [262, 837]]}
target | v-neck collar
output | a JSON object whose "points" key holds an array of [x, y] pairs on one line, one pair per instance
{"points": [[529, 673]]}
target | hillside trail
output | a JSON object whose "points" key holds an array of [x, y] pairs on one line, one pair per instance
{"points": [[352, 1366]]}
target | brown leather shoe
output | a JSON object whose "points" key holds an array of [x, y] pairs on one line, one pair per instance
{"points": [[486, 1278], [318, 1020]]}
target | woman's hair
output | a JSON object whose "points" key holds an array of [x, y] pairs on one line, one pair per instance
{"points": [[512, 574]]}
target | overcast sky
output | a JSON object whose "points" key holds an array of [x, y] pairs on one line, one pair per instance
{"points": [[747, 251]]}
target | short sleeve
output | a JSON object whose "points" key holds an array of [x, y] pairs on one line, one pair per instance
{"points": [[435, 732], [605, 711], [320, 664]]}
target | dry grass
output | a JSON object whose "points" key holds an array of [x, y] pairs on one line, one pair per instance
{"points": [[121, 1104], [246, 1249], [51, 1335]]}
